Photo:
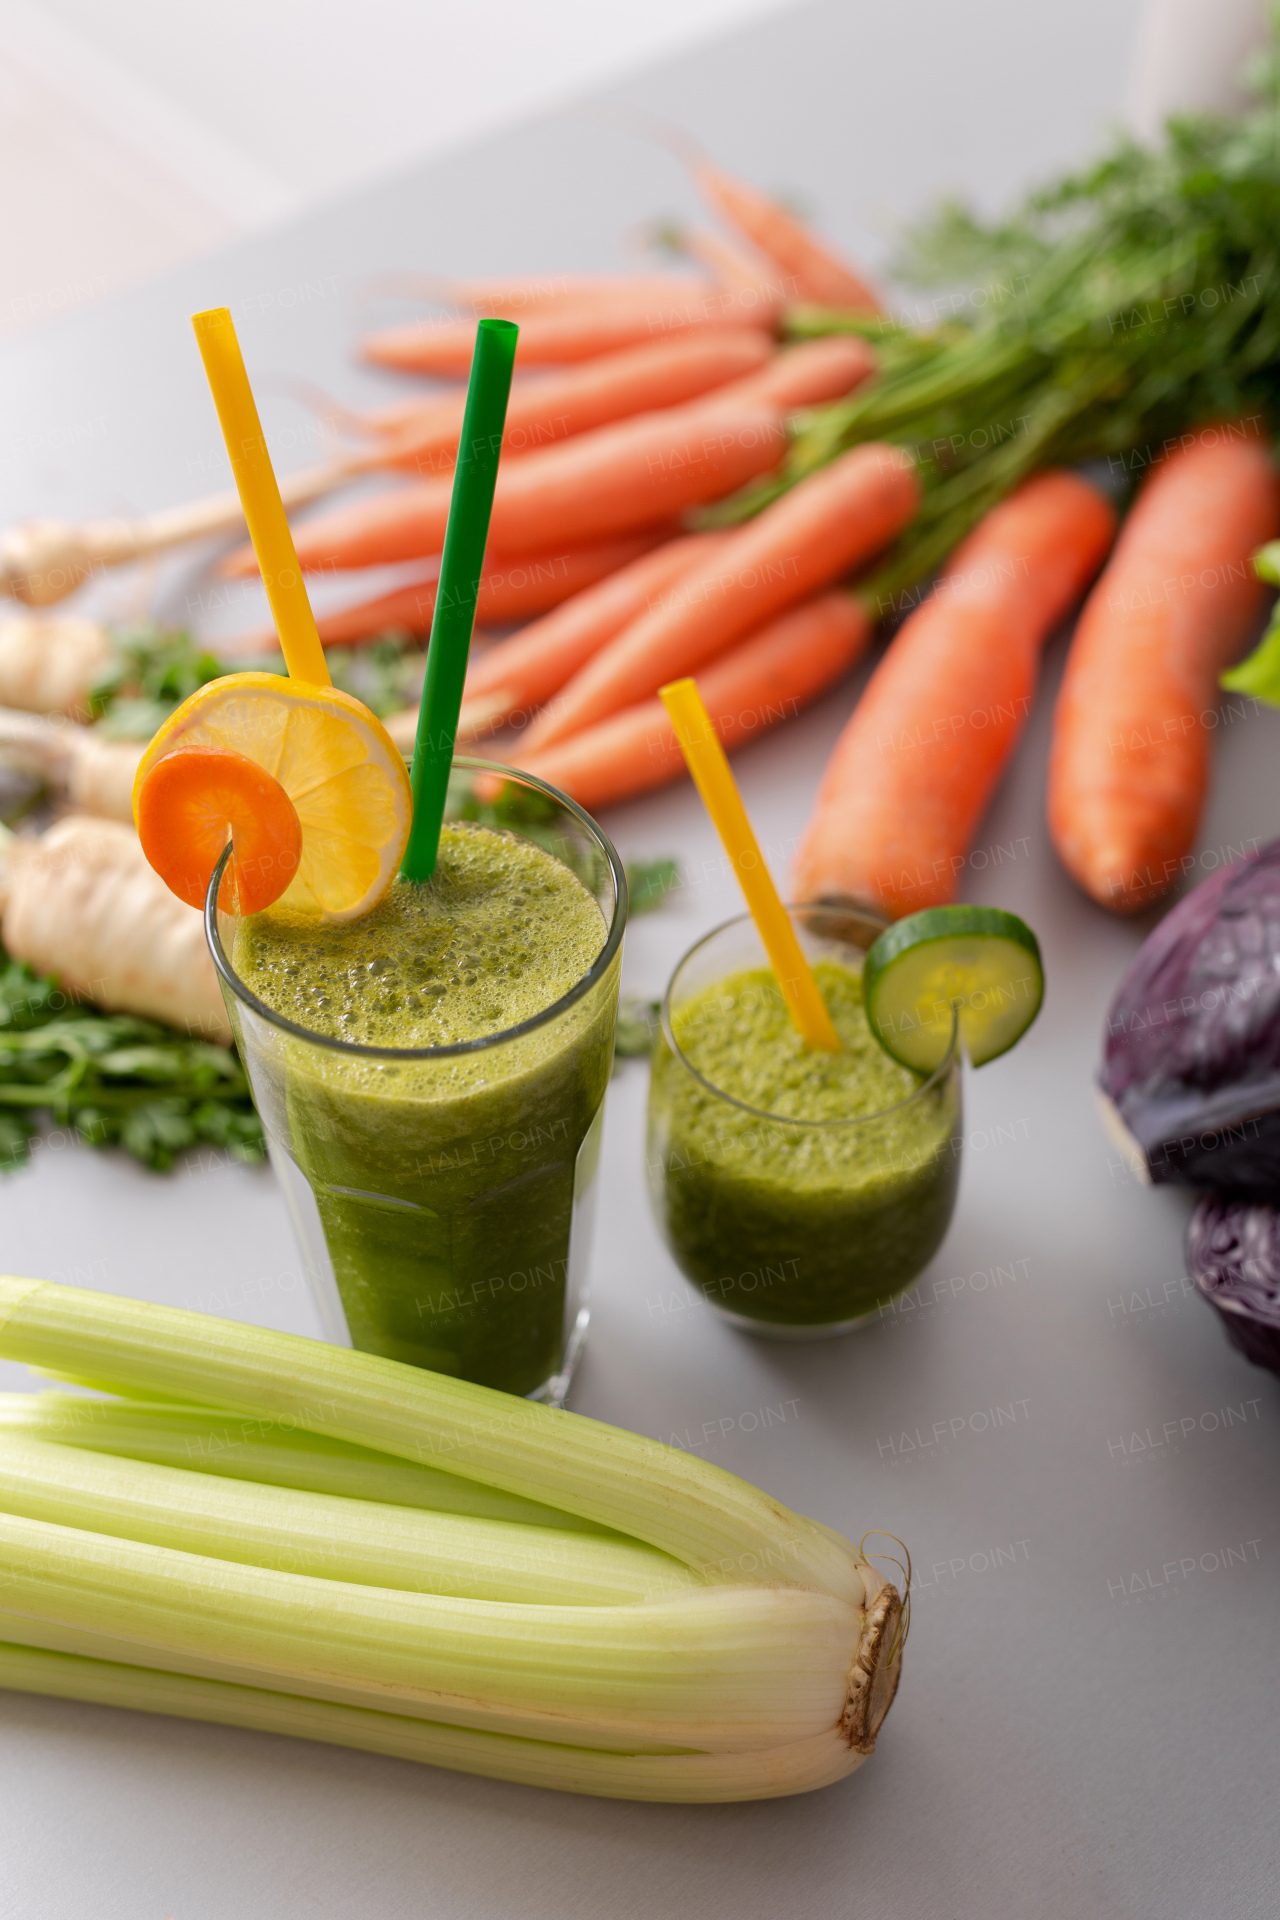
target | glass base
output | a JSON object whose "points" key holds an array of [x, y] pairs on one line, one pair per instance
{"points": [[305, 1216], [772, 1330], [555, 1391]]}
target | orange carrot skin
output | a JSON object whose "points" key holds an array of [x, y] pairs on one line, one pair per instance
{"points": [[730, 264], [639, 473], [578, 330], [799, 376], [767, 678], [806, 375], [828, 524], [516, 297], [510, 590], [1129, 767], [536, 662], [916, 764], [735, 367], [666, 373], [192, 801], [815, 272]]}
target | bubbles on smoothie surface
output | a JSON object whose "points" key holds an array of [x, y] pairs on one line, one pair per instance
{"points": [[739, 1036], [501, 931]]}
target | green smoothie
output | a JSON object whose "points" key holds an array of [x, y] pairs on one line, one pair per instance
{"points": [[445, 1186], [797, 1188]]}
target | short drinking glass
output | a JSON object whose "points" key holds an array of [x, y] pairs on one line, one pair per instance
{"points": [[793, 1227]]}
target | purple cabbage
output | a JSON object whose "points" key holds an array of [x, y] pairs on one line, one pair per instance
{"points": [[1191, 1065], [1233, 1256]]}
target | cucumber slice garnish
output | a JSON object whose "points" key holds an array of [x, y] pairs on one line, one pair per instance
{"points": [[979, 960]]}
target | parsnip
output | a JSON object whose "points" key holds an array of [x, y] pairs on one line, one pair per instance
{"points": [[81, 902], [94, 774], [48, 663], [42, 561], [101, 775]]}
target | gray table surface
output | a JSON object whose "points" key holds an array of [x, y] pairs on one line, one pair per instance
{"points": [[1082, 1468]]}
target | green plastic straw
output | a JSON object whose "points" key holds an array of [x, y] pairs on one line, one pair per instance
{"points": [[461, 566]]}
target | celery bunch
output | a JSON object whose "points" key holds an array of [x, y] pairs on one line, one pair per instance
{"points": [[634, 1622]]}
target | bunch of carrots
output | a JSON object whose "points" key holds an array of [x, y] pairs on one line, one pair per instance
{"points": [[647, 399], [642, 403], [661, 401]]}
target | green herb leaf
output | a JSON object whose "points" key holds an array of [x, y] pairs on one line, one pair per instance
{"points": [[649, 882], [154, 669], [1259, 674], [386, 673], [114, 1079], [637, 1027]]}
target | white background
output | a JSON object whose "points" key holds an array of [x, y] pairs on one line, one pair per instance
{"points": [[137, 134]]}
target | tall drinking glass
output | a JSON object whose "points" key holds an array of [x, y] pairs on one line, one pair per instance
{"points": [[789, 1226], [442, 1195]]}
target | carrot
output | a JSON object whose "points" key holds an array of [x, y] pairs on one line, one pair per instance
{"points": [[516, 297], [578, 330], [815, 272], [917, 763], [522, 672], [660, 373], [806, 375], [509, 591], [766, 678], [732, 266], [416, 405], [1130, 758], [192, 802], [818, 531], [597, 486], [800, 376], [559, 404]]}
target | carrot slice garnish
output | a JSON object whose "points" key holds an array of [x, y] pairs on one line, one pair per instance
{"points": [[193, 801]]}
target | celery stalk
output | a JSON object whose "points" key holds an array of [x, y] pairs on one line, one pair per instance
{"points": [[768, 1774], [357, 1541], [723, 1529], [23, 1630], [206, 1440], [716, 1669]]}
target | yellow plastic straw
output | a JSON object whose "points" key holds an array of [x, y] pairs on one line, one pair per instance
{"points": [[700, 744], [260, 496]]}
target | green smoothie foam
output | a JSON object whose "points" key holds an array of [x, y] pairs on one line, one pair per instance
{"points": [[445, 1186], [828, 1188]]}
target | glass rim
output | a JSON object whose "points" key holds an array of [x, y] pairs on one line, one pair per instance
{"points": [[457, 1048], [939, 1073]]}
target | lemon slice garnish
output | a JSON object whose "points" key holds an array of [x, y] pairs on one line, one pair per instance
{"points": [[334, 759]]}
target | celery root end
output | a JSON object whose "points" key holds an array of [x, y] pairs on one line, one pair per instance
{"points": [[873, 1677]]}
